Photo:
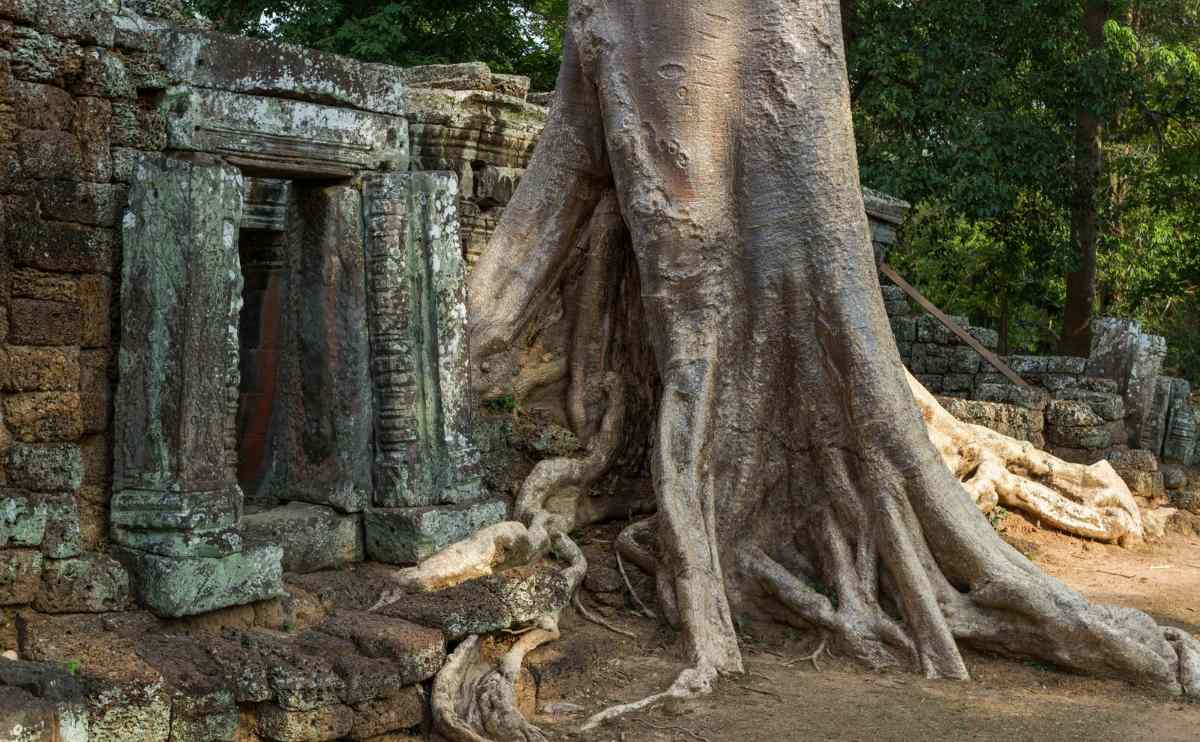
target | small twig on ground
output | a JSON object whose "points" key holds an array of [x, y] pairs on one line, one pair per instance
{"points": [[760, 690], [817, 654], [645, 611], [759, 675], [600, 621], [1114, 574], [671, 728]]}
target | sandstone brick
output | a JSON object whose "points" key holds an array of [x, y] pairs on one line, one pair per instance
{"points": [[43, 417], [93, 521], [139, 125], [95, 204], [45, 467], [95, 390], [95, 304], [42, 57], [331, 722], [103, 74], [20, 576], [30, 283], [33, 369], [96, 455], [93, 120], [51, 246], [49, 154], [93, 583], [43, 106], [62, 539], [37, 322]]}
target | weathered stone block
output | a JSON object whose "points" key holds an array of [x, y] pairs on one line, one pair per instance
{"points": [[244, 65], [43, 107], [44, 417], [95, 391], [1031, 398], [408, 535], [323, 454], [285, 137], [22, 518], [157, 510], [904, 329], [50, 154], [103, 74], [20, 576], [1152, 431], [1068, 414], [30, 283], [1180, 433], [404, 710], [283, 725], [1107, 407], [417, 652], [55, 246], [448, 126], [495, 186], [1011, 420], [62, 539], [1174, 477], [24, 718], [94, 204], [173, 587], [45, 467], [95, 300], [989, 339], [424, 455], [36, 322], [180, 295], [313, 537], [92, 583], [93, 120], [486, 604], [138, 125], [41, 57], [210, 543]]}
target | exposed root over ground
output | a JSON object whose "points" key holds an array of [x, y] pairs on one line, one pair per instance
{"points": [[1089, 501]]}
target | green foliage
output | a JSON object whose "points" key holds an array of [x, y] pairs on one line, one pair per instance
{"points": [[968, 111], [503, 404], [72, 666], [512, 36]]}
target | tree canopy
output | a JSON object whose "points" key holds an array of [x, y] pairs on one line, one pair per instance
{"points": [[968, 110], [521, 36]]}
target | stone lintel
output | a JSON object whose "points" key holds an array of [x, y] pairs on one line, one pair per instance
{"points": [[244, 65], [284, 138]]}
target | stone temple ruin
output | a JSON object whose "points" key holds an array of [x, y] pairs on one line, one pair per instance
{"points": [[235, 367]]}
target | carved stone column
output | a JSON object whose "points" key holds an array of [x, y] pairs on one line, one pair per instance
{"points": [[427, 482], [177, 505]]}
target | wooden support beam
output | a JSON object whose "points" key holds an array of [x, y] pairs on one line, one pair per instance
{"points": [[951, 325]]}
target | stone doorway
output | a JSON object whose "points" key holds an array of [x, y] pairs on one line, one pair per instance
{"points": [[303, 342]]}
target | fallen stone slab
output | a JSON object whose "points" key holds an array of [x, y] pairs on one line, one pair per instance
{"points": [[313, 537]]}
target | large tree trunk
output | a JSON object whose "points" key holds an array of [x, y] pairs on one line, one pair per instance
{"points": [[1076, 336], [793, 473]]}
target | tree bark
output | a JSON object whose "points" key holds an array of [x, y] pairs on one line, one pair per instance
{"points": [[793, 474], [1076, 336]]}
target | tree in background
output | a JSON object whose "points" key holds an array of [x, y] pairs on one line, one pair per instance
{"points": [[511, 36], [987, 116]]}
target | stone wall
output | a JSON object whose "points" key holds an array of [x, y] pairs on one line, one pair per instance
{"points": [[220, 273]]}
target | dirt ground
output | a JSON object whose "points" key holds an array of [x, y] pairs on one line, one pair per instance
{"points": [[783, 698]]}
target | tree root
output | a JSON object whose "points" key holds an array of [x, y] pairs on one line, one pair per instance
{"points": [[633, 593], [473, 702], [693, 682], [1089, 501], [593, 618]]}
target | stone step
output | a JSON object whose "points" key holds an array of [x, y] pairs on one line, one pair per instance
{"points": [[313, 537]]}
